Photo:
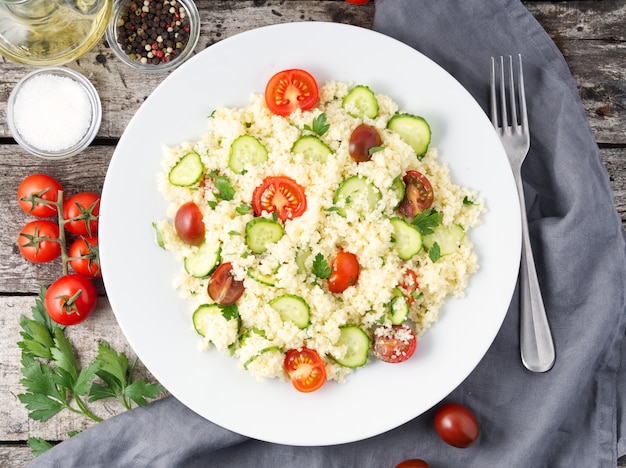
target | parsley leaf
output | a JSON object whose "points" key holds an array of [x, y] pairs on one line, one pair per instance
{"points": [[38, 445], [426, 221], [243, 209], [158, 236], [467, 201], [320, 267], [319, 125], [225, 191], [434, 253], [375, 149]]}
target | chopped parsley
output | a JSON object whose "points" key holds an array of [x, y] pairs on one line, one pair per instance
{"points": [[320, 267], [319, 125], [426, 221]]}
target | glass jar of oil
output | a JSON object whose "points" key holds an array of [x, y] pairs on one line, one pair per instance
{"points": [[51, 32]]}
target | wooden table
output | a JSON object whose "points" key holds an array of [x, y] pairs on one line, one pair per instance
{"points": [[591, 34]]}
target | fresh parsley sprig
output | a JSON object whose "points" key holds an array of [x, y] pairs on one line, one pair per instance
{"points": [[319, 125], [320, 267], [427, 220]]}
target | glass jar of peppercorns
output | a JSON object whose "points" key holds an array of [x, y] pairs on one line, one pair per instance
{"points": [[154, 35]]}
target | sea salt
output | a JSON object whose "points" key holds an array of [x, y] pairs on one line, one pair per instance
{"points": [[51, 112]]}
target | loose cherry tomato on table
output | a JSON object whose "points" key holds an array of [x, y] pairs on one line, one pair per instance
{"points": [[223, 288], [456, 425], [70, 299], [281, 195], [396, 344], [344, 272], [84, 257], [289, 90], [362, 140], [38, 241], [189, 224], [418, 195], [305, 368], [37, 194], [413, 463], [81, 212]]}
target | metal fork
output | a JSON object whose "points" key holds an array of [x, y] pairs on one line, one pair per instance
{"points": [[536, 344]]}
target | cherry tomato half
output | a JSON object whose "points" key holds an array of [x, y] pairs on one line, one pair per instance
{"points": [[38, 241], [37, 193], [189, 224], [70, 299], [344, 272], [289, 90], [418, 195], [413, 463], [456, 425], [84, 256], [394, 345], [306, 369], [223, 288], [279, 194], [81, 212], [409, 285], [362, 140]]}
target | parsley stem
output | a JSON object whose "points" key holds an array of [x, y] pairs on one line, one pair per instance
{"points": [[85, 410]]}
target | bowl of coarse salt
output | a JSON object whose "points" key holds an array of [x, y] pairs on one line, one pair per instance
{"points": [[54, 113]]}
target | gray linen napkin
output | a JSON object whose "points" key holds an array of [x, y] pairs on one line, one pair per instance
{"points": [[570, 416]]}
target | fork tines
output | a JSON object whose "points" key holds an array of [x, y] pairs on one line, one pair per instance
{"points": [[510, 119]]}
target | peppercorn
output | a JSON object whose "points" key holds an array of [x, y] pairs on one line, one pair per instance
{"points": [[153, 31]]}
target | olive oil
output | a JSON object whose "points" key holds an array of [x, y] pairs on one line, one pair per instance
{"points": [[51, 32]]}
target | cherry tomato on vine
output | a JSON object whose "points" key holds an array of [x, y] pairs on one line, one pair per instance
{"points": [[83, 210], [37, 194], [70, 299], [394, 345], [413, 463], [289, 90], [189, 224], [279, 194], [38, 241], [344, 272], [418, 195], [223, 288], [456, 425], [305, 368], [362, 140], [84, 256]]}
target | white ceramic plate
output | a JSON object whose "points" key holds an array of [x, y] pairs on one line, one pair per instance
{"points": [[138, 275]]}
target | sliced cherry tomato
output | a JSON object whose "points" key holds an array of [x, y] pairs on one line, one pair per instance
{"points": [[80, 213], [344, 272], [396, 344], [413, 463], [289, 90], [456, 425], [279, 194], [38, 241], [189, 224], [223, 288], [409, 285], [362, 140], [306, 369], [70, 299], [84, 256], [418, 195], [37, 195]]}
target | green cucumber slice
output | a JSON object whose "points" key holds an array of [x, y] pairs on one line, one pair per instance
{"points": [[263, 351], [202, 314], [357, 343], [360, 102], [202, 263], [447, 237], [292, 308], [407, 240], [187, 171], [398, 188], [246, 149], [413, 130], [312, 148], [263, 278], [398, 308], [262, 231], [357, 193]]}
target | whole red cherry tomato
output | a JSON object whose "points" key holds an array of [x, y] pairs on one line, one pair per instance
{"points": [[38, 241], [85, 257], [456, 425], [413, 463], [81, 212], [70, 299], [37, 194], [344, 272]]}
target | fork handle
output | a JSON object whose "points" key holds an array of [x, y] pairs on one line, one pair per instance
{"points": [[536, 344]]}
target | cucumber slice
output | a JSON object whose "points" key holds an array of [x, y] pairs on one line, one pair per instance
{"points": [[262, 231], [292, 308], [357, 193], [248, 333], [301, 257], [413, 130], [406, 238], [360, 102], [263, 278], [263, 351], [357, 343], [312, 148], [246, 149], [398, 308], [187, 171], [202, 263], [201, 316], [398, 188], [447, 237]]}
